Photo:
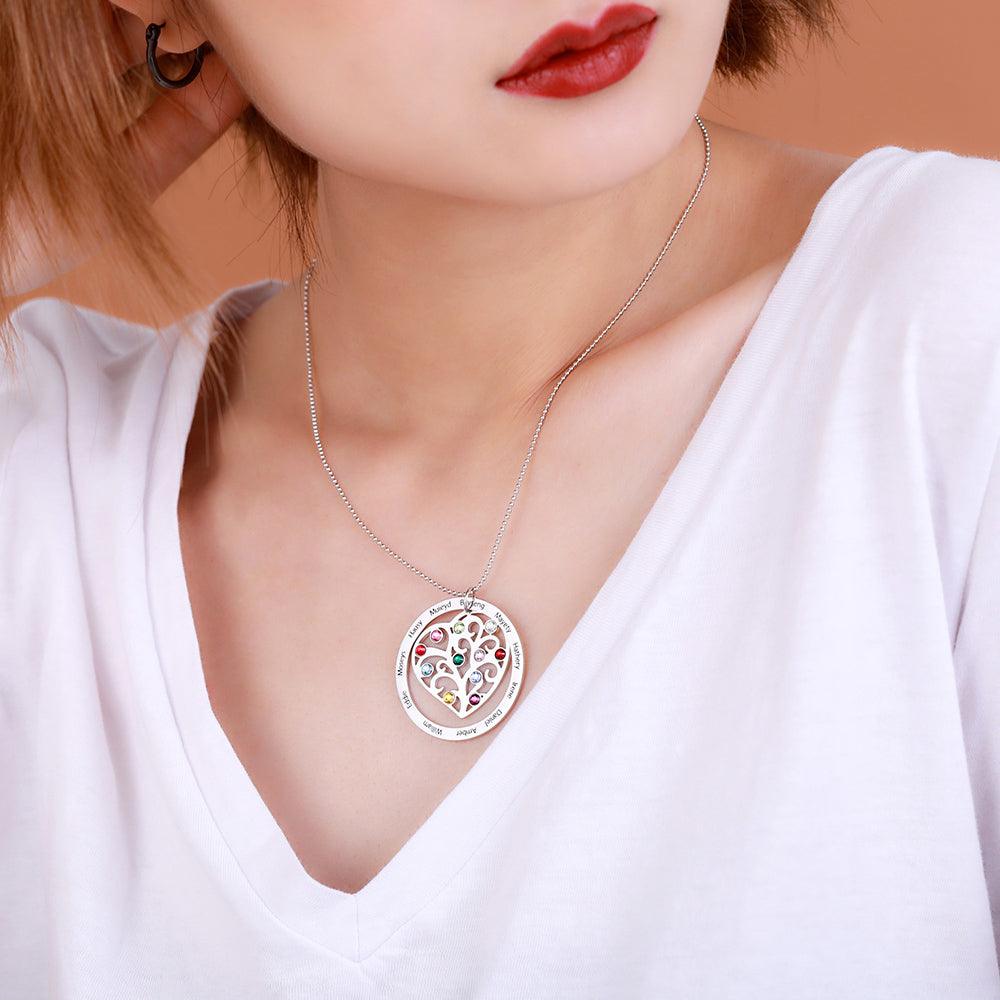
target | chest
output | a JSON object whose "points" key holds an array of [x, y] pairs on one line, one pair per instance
{"points": [[740, 717], [299, 616], [298, 646], [299, 649], [746, 757]]}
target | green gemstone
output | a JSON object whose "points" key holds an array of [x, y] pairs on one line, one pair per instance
{"points": [[458, 659], [458, 627]]}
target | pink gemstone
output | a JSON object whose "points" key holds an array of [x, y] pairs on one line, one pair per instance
{"points": [[437, 635], [479, 655]]}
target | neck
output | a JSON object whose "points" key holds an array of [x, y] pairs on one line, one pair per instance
{"points": [[430, 312]]}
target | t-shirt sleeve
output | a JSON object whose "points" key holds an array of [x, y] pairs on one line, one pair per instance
{"points": [[977, 667]]}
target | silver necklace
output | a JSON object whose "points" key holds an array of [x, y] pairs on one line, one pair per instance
{"points": [[463, 652]]}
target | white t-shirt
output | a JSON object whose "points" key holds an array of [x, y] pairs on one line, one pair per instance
{"points": [[765, 764]]}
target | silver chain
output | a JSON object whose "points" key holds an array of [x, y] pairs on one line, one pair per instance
{"points": [[468, 595]]}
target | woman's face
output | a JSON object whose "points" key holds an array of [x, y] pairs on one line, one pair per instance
{"points": [[403, 91]]}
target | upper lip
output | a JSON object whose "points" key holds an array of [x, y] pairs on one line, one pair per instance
{"points": [[572, 35]]}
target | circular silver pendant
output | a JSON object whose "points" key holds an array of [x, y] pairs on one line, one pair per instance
{"points": [[463, 662]]}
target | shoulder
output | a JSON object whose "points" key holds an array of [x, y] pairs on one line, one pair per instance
{"points": [[918, 260], [951, 189], [90, 384], [924, 224], [883, 224], [77, 407], [65, 355], [66, 395], [891, 301], [902, 258], [56, 339], [903, 212], [920, 248], [907, 284], [85, 390], [77, 379], [77, 414], [898, 274]]}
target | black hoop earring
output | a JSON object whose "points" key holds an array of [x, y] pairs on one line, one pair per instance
{"points": [[152, 39]]}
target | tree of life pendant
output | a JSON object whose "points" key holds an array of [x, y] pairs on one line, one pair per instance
{"points": [[462, 661]]}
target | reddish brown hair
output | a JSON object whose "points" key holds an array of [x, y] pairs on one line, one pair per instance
{"points": [[62, 119]]}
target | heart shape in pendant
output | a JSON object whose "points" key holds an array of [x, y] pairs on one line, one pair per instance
{"points": [[462, 658]]}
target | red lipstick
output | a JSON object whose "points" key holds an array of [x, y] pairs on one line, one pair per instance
{"points": [[573, 59]]}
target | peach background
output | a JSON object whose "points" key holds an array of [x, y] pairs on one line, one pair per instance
{"points": [[914, 73]]}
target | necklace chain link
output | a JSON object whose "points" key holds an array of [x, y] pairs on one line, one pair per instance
{"points": [[469, 594]]}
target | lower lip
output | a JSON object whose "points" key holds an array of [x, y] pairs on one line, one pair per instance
{"points": [[573, 74]]}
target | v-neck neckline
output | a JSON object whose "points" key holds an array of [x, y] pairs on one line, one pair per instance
{"points": [[355, 925]]}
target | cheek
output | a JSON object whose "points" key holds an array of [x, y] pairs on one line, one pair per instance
{"points": [[368, 86], [402, 91]]}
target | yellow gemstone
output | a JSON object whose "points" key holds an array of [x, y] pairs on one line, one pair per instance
{"points": [[449, 697]]}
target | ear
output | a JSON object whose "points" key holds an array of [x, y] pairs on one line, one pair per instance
{"points": [[132, 16]]}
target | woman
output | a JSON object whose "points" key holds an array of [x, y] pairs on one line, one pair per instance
{"points": [[735, 642]]}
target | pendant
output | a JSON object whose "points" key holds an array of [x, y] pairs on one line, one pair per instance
{"points": [[462, 660]]}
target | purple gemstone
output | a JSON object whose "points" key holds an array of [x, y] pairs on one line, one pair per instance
{"points": [[474, 699]]}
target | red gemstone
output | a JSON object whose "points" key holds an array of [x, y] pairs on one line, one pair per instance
{"points": [[421, 649], [500, 654]]}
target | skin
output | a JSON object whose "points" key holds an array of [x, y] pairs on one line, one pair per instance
{"points": [[473, 243]]}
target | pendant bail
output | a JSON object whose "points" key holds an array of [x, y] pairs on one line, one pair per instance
{"points": [[470, 597]]}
